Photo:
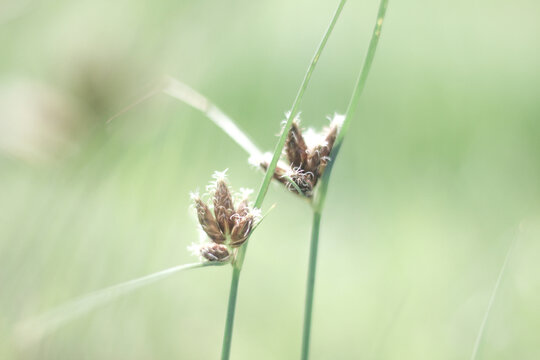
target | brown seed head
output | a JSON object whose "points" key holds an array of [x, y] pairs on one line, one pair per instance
{"points": [[223, 206], [208, 222], [225, 227], [307, 164], [215, 252]]}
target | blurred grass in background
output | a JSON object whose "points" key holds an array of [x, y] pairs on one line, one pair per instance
{"points": [[439, 172]]}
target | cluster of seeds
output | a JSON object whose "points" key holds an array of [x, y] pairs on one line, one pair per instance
{"points": [[227, 226], [227, 223], [307, 155]]}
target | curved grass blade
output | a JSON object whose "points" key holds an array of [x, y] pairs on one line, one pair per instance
{"points": [[157, 89], [182, 92], [494, 293], [31, 331], [196, 100]]}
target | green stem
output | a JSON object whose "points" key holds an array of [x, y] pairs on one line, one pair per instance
{"points": [[229, 323], [237, 266], [320, 196], [310, 288]]}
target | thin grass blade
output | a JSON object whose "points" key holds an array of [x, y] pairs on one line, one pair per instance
{"points": [[494, 293], [186, 94], [31, 331], [196, 100], [156, 89]]}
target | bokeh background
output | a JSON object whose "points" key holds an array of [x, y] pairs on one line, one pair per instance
{"points": [[438, 176]]}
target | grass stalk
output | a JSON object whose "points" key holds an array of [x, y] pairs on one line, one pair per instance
{"points": [[237, 268], [310, 287], [320, 196]]}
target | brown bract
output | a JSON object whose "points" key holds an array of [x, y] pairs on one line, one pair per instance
{"points": [[295, 146], [223, 207], [242, 229], [208, 222], [215, 252]]}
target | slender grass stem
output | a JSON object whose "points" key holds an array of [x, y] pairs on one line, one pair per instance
{"points": [[320, 196], [310, 287], [231, 309], [229, 324]]}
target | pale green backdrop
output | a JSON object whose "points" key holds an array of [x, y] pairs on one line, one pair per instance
{"points": [[439, 174]]}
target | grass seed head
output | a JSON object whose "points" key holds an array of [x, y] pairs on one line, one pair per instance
{"points": [[225, 227], [308, 154]]}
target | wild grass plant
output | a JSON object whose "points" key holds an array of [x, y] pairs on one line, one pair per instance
{"points": [[228, 226], [301, 161]]}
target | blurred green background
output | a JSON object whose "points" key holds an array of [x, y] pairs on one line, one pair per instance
{"points": [[439, 174]]}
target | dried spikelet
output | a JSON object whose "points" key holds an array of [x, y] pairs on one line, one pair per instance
{"points": [[215, 252], [208, 222], [325, 151], [303, 179], [242, 229], [243, 208], [295, 146], [313, 159], [223, 206], [331, 136]]}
